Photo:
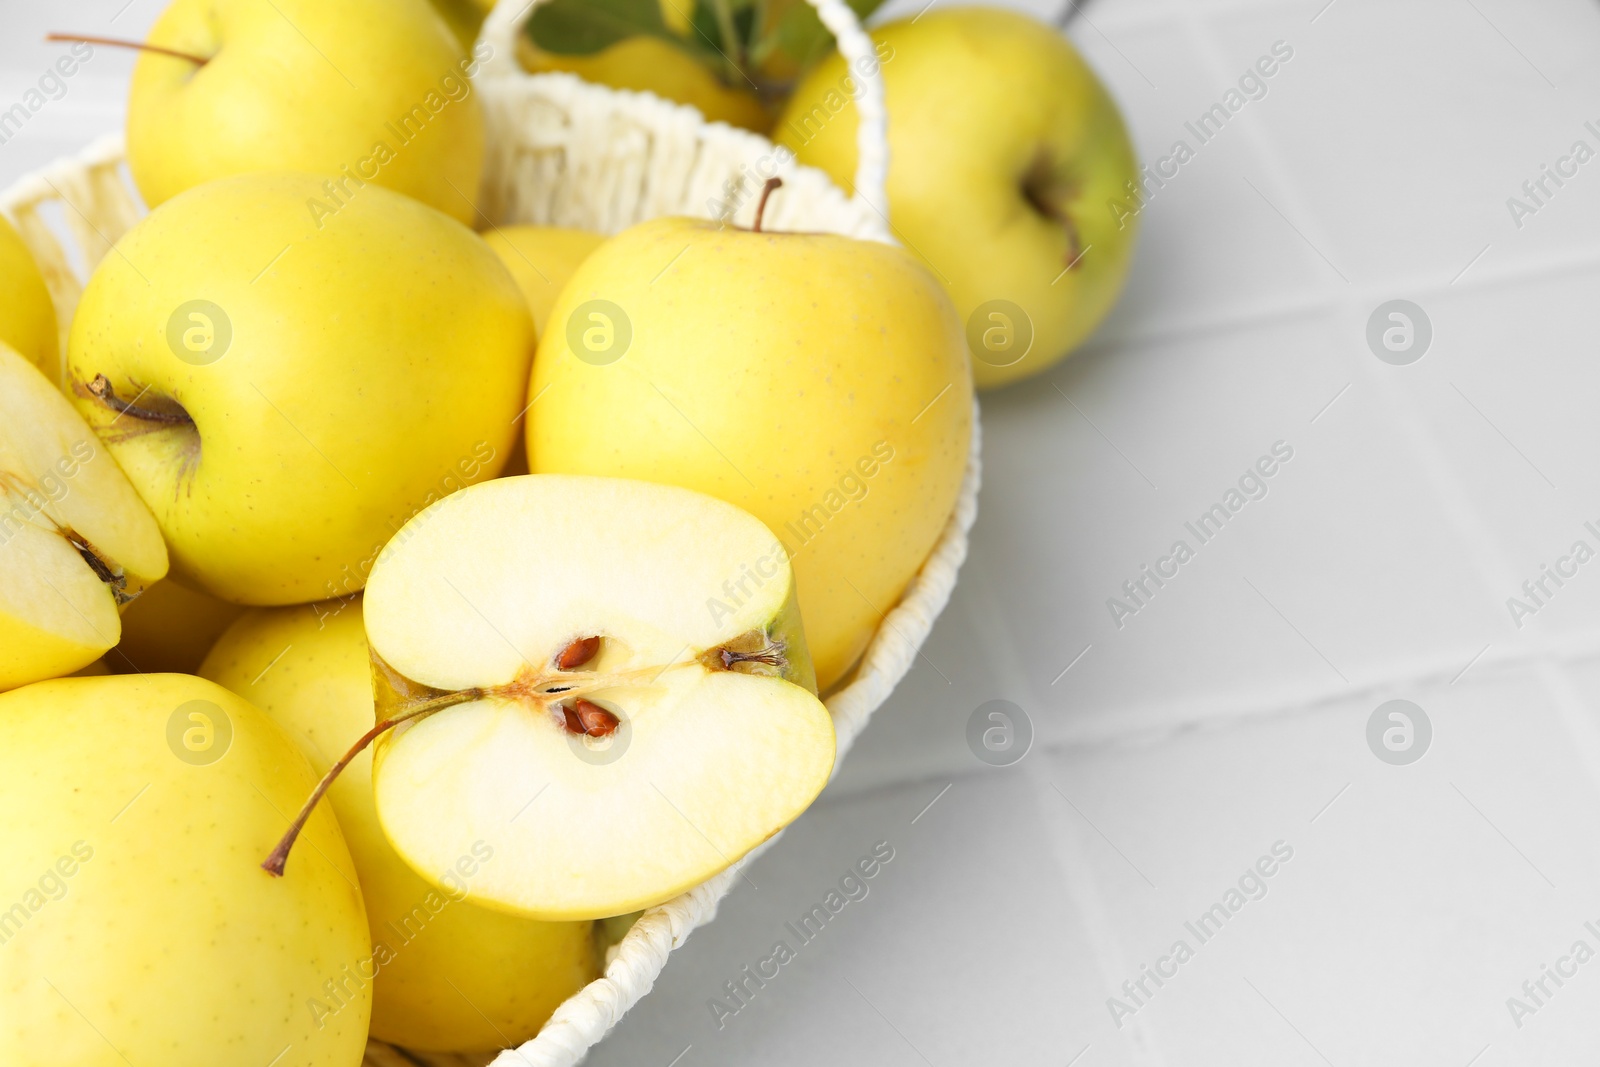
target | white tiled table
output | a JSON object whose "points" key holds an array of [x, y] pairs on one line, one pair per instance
{"points": [[1231, 712]]}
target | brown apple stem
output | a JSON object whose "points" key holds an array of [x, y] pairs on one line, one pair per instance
{"points": [[1075, 249], [273, 864], [117, 42], [101, 389], [761, 205]]}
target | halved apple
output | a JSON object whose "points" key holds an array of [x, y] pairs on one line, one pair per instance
{"points": [[76, 542], [603, 680]]}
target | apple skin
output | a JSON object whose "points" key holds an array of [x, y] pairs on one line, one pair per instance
{"points": [[170, 628], [460, 976], [464, 18], [979, 101], [167, 943], [307, 85], [773, 371], [56, 613], [27, 315], [542, 260], [651, 65], [376, 364]]}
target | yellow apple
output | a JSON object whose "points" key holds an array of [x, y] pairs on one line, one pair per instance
{"points": [[138, 926], [578, 695], [819, 382], [450, 974], [464, 17], [170, 628], [652, 65], [1004, 152], [542, 259], [27, 316], [76, 542], [362, 91], [284, 394]]}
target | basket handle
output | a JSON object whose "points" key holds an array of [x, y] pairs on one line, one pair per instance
{"points": [[505, 22]]}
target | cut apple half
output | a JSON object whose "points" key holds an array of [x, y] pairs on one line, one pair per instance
{"points": [[76, 542], [603, 681]]}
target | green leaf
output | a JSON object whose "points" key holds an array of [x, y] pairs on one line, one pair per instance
{"points": [[802, 36], [584, 27]]}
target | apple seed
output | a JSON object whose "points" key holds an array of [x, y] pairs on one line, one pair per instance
{"points": [[595, 720], [583, 717], [578, 653]]}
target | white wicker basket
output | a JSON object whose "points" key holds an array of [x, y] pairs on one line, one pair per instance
{"points": [[565, 152]]}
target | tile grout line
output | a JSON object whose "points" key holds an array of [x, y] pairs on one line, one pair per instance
{"points": [[1159, 723], [1283, 309], [1576, 716], [1559, 655], [1485, 550], [1066, 845]]}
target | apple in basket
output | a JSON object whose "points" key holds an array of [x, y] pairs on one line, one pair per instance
{"points": [[445, 973], [560, 678], [283, 394], [359, 91], [27, 316], [1010, 174], [817, 381], [76, 542], [137, 929]]}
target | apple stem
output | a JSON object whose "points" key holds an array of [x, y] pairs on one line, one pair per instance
{"points": [[101, 389], [108, 573], [273, 864], [117, 42], [761, 205]]}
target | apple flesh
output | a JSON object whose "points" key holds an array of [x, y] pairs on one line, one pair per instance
{"points": [[1004, 152], [589, 688], [138, 928], [451, 975], [76, 542]]}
